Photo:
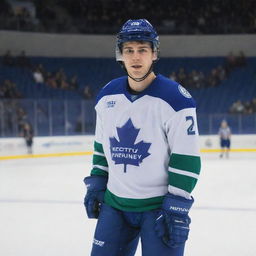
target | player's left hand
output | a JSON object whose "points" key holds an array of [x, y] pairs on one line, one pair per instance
{"points": [[172, 223]]}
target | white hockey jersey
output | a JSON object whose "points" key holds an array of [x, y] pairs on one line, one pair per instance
{"points": [[147, 144]]}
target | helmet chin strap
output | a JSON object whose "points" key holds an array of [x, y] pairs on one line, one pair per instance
{"points": [[140, 78]]}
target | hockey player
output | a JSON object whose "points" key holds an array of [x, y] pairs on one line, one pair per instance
{"points": [[28, 134], [225, 137], [146, 156]]}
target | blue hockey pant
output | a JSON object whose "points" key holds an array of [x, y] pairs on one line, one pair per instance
{"points": [[117, 234]]}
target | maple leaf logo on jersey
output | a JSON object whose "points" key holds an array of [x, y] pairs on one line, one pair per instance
{"points": [[125, 151]]}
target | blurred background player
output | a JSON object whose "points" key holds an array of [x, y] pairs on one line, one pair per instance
{"points": [[146, 156], [225, 137], [28, 134]]}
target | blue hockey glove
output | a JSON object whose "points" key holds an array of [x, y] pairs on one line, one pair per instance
{"points": [[172, 224], [96, 186]]}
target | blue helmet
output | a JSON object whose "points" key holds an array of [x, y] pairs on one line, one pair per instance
{"points": [[136, 30]]}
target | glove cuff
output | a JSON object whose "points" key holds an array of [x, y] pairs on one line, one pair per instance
{"points": [[96, 182], [177, 205]]}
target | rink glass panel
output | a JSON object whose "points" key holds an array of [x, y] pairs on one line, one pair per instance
{"points": [[77, 117], [48, 117]]}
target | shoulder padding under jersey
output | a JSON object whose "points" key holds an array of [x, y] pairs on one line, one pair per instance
{"points": [[172, 93], [115, 86]]}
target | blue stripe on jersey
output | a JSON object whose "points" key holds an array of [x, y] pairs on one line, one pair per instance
{"points": [[115, 86], [161, 87]]}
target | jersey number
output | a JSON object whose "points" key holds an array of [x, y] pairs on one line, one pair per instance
{"points": [[190, 129]]}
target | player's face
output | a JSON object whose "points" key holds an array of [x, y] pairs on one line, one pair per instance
{"points": [[137, 58], [224, 124]]}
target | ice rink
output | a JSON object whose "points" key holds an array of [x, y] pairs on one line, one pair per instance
{"points": [[42, 214]]}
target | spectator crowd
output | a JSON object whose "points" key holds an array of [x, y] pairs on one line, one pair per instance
{"points": [[8, 90], [106, 16], [198, 79], [54, 79], [16, 61], [243, 107]]}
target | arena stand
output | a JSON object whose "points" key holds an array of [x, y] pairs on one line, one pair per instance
{"points": [[39, 99]]}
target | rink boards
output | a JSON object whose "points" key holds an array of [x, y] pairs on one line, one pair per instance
{"points": [[57, 146]]}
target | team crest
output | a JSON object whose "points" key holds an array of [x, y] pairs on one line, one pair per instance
{"points": [[124, 150], [184, 92]]}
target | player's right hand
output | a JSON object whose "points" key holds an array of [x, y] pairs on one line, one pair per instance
{"points": [[96, 186]]}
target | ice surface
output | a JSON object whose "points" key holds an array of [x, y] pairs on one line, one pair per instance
{"points": [[42, 214]]}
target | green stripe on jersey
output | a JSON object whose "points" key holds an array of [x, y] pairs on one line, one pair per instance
{"points": [[99, 160], [97, 171], [132, 205], [185, 163], [98, 147], [182, 181]]}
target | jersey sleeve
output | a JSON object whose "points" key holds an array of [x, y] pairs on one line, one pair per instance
{"points": [[99, 161], [184, 164]]}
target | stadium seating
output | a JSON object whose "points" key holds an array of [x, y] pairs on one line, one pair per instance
{"points": [[240, 84]]}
